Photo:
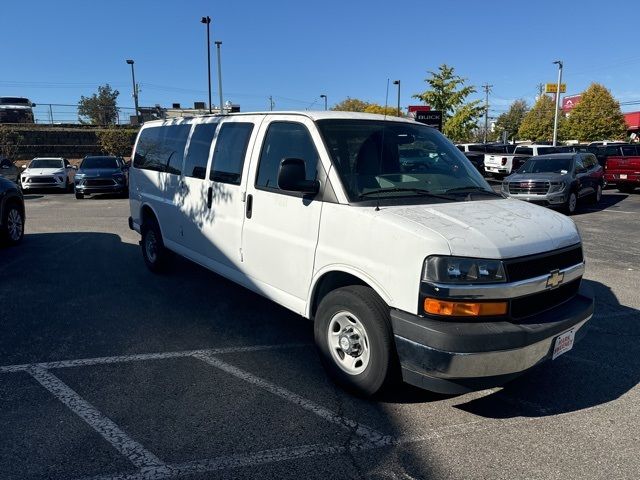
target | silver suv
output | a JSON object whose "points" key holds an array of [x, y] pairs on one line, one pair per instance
{"points": [[557, 180]]}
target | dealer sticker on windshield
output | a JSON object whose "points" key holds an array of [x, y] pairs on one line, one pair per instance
{"points": [[564, 343]]}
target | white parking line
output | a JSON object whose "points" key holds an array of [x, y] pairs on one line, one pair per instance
{"points": [[143, 357], [124, 444], [359, 429]]}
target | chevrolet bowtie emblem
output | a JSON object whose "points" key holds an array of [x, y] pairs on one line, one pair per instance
{"points": [[555, 278]]}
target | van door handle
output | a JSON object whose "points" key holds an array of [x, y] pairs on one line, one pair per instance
{"points": [[249, 205], [209, 197]]}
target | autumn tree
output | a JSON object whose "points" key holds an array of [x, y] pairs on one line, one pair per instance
{"points": [[510, 121], [597, 116], [537, 124], [356, 105], [448, 93], [351, 105], [100, 108]]}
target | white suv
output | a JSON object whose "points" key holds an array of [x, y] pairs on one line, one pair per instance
{"points": [[419, 271], [48, 173]]}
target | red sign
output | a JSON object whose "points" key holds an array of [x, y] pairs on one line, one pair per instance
{"points": [[419, 108], [570, 101], [633, 120]]}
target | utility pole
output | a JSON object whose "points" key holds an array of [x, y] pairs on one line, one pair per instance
{"points": [[487, 89], [540, 89], [271, 103], [135, 89], [555, 118], [218, 43], [207, 20], [325, 100], [397, 82]]}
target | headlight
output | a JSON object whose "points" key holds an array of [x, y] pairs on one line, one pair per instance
{"points": [[463, 270], [557, 187]]}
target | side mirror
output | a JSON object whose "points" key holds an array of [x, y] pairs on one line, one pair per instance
{"points": [[33, 105], [292, 177]]}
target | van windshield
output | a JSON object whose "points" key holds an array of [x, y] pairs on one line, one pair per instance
{"points": [[385, 159]]}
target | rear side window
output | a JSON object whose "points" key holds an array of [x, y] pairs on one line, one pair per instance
{"points": [[285, 140], [195, 164], [229, 153], [162, 148], [523, 151], [629, 151]]}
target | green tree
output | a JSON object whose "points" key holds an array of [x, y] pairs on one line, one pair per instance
{"points": [[448, 93], [100, 108], [379, 109], [351, 105], [511, 120], [597, 116], [537, 124], [10, 141], [117, 141]]}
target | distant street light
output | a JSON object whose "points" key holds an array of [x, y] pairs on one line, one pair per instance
{"points": [[218, 43], [325, 100], [397, 82], [135, 89], [555, 120], [207, 20]]}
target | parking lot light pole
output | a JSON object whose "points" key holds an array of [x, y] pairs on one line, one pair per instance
{"points": [[325, 100], [397, 82], [555, 118], [135, 89], [207, 20], [218, 43]]}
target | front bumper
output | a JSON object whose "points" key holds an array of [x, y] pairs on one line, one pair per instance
{"points": [[27, 185], [86, 190], [456, 357], [549, 200]]}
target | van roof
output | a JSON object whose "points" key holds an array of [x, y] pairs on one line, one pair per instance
{"points": [[313, 115]]}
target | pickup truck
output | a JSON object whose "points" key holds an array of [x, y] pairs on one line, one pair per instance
{"points": [[502, 164], [378, 230], [624, 172]]}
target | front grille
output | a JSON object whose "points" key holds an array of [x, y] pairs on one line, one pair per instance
{"points": [[42, 180], [99, 182], [541, 264], [529, 188], [539, 302]]}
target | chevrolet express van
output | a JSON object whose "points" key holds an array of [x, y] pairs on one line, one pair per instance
{"points": [[379, 230]]}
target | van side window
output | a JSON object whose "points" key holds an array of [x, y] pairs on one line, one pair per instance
{"points": [[285, 140], [229, 152], [162, 148], [195, 164], [175, 140]]}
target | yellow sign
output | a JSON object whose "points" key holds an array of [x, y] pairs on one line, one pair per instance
{"points": [[553, 87]]}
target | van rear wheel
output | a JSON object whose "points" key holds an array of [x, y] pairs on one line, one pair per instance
{"points": [[355, 340], [153, 249]]}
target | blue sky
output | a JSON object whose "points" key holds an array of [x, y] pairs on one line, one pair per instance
{"points": [[56, 51]]}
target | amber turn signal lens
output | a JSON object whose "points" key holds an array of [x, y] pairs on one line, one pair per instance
{"points": [[464, 309]]}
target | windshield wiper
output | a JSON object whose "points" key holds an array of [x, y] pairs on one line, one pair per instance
{"points": [[416, 191], [473, 189]]}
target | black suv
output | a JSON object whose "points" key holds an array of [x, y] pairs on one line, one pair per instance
{"points": [[102, 174], [11, 213]]}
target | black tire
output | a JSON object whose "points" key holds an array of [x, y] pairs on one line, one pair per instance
{"points": [[12, 230], [153, 250], [571, 204], [79, 196], [624, 188], [382, 368]]}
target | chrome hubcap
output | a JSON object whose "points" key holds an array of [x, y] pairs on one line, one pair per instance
{"points": [[348, 343], [14, 224], [151, 246]]}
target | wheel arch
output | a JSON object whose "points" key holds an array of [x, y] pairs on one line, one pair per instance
{"points": [[331, 278], [147, 212]]}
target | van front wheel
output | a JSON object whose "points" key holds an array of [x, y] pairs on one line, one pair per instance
{"points": [[355, 340], [153, 250]]}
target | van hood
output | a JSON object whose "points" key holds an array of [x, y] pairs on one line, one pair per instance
{"points": [[491, 228]]}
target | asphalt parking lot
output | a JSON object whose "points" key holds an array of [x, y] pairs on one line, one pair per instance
{"points": [[110, 372]]}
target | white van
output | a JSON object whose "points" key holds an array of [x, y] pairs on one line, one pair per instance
{"points": [[379, 230]]}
